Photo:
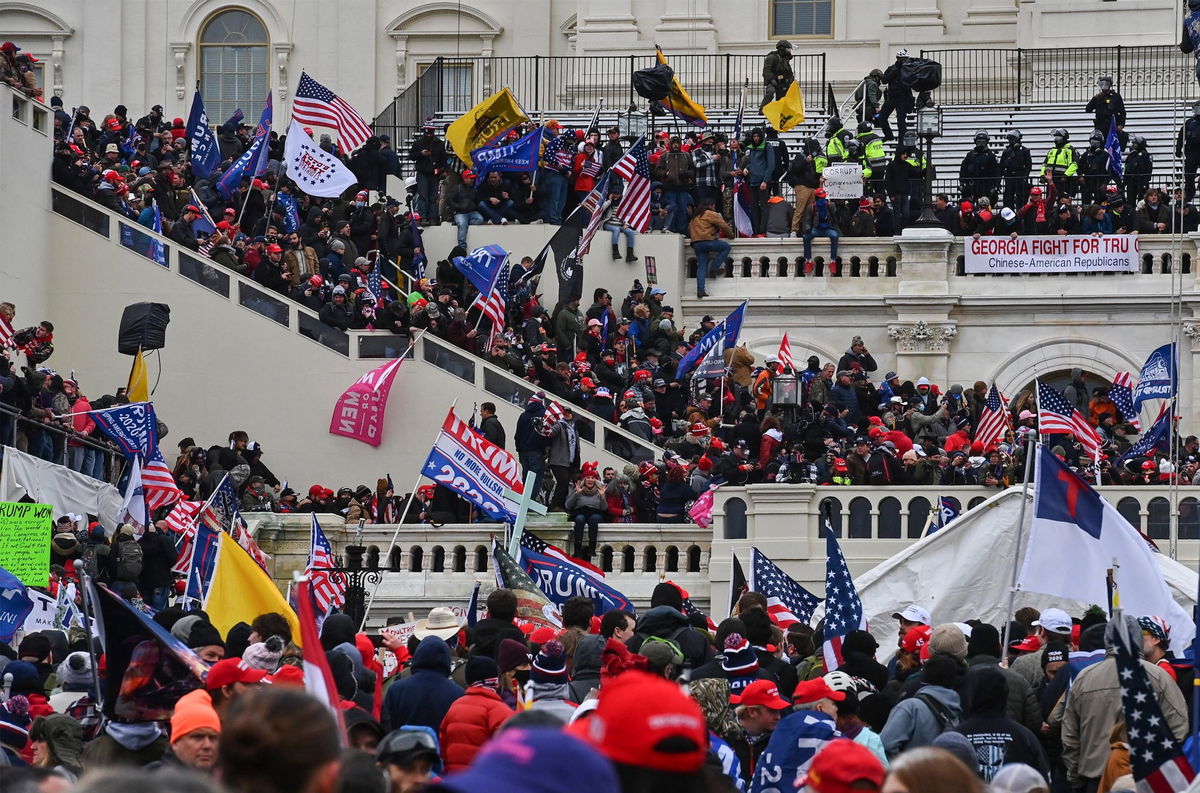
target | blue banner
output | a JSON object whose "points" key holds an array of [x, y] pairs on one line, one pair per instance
{"points": [[291, 212], [947, 511], [253, 162], [1112, 145], [235, 119], [726, 332], [481, 266], [468, 479], [205, 153], [15, 605], [133, 427], [203, 563], [561, 581], [156, 250], [520, 155], [1157, 438], [1159, 378]]}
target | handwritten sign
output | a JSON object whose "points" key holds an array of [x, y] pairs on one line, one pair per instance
{"points": [[25, 541], [1112, 253], [843, 180]]}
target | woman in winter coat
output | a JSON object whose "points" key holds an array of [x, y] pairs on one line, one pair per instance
{"points": [[619, 495], [587, 504], [474, 717]]}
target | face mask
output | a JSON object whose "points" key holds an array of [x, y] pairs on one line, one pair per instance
{"points": [[521, 676], [360, 203]]}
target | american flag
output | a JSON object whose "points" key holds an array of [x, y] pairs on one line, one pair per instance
{"points": [[787, 601], [317, 105], [843, 609], [6, 334], [495, 305], [183, 517], [634, 168], [328, 588], [994, 421], [1057, 415], [785, 353], [1155, 756], [553, 414], [596, 202], [158, 482], [375, 284], [538, 545], [1121, 394]]}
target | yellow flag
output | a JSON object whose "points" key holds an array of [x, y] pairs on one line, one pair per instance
{"points": [[484, 123], [139, 380], [240, 591], [677, 102], [785, 113]]}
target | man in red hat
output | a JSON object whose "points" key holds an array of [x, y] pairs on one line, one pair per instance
{"points": [[182, 230], [841, 767]]}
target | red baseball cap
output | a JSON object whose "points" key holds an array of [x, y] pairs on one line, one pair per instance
{"points": [[229, 671], [646, 721], [761, 692], [1029, 644], [841, 767], [542, 635], [916, 638], [815, 689], [287, 675]]}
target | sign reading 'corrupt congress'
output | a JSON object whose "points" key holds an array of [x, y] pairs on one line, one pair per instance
{"points": [[25, 541], [1111, 253]]}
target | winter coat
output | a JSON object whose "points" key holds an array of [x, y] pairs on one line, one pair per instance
{"points": [[583, 502], [471, 721], [586, 663], [760, 164], [997, 739], [425, 696], [485, 635], [667, 623], [911, 723], [1022, 701]]}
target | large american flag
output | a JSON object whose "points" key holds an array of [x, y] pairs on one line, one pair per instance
{"points": [[183, 517], [787, 601], [1121, 395], [6, 334], [495, 304], [1057, 415], [158, 482], [328, 588], [1158, 763], [634, 168], [843, 609], [317, 105], [994, 421], [554, 413], [785, 353]]}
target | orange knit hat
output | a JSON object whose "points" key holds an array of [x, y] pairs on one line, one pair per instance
{"points": [[193, 711]]}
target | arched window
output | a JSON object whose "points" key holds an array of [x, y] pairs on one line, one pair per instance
{"points": [[234, 69]]}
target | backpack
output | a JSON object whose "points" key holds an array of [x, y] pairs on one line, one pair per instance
{"points": [[944, 718], [89, 557], [129, 565], [672, 641]]}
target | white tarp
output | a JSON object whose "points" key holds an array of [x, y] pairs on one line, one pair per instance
{"points": [[965, 570], [56, 485]]}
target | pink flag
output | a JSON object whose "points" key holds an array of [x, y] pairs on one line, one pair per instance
{"points": [[702, 509], [359, 411]]}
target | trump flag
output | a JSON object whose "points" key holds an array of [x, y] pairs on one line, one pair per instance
{"points": [[1071, 521], [475, 468], [359, 411]]}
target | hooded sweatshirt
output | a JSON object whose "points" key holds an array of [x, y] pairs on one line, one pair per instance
{"points": [[667, 622], [424, 697], [997, 739], [911, 723], [587, 667]]}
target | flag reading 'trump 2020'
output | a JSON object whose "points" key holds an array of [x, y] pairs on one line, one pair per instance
{"points": [[360, 409]]}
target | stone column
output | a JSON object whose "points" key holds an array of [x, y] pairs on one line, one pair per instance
{"points": [[921, 20], [996, 12], [924, 261], [686, 26], [923, 328], [606, 26]]}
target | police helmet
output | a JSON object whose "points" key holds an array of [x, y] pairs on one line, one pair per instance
{"points": [[1137, 142], [1104, 82], [982, 135], [1061, 133], [853, 147], [1096, 137], [844, 135], [910, 139], [1014, 134], [864, 126]]}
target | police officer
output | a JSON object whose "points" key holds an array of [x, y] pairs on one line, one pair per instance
{"points": [[777, 73], [899, 97], [835, 149], [1106, 105], [1093, 170], [1139, 166], [979, 172], [1015, 164], [874, 154], [1060, 166], [1187, 146]]}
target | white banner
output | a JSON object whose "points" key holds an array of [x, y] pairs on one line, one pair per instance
{"points": [[314, 170], [843, 180], [1111, 253], [62, 488]]}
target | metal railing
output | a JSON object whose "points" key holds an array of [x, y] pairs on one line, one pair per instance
{"points": [[1017, 76], [547, 84], [14, 425]]}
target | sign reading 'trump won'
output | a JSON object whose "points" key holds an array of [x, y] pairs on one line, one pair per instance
{"points": [[1111, 253]]}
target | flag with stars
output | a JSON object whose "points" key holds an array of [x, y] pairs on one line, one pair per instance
{"points": [[317, 105], [787, 601], [1121, 395], [1057, 415], [314, 170], [843, 609], [634, 169], [328, 587], [1157, 759], [254, 161], [994, 420]]}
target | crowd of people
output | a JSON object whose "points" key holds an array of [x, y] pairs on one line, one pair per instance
{"points": [[616, 702]]}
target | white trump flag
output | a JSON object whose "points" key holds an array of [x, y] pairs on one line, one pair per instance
{"points": [[314, 170]]}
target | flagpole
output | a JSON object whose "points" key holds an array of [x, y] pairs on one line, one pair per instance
{"points": [[403, 513], [1016, 571], [91, 645]]}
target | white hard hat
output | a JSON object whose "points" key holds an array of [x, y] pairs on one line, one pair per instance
{"points": [[410, 183]]}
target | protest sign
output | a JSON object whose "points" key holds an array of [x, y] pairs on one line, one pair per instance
{"points": [[1111, 253], [25, 541], [844, 180]]}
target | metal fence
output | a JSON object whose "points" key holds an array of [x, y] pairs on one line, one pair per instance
{"points": [[1018, 76], [550, 84]]}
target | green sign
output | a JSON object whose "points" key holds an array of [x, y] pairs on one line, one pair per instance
{"points": [[25, 541]]}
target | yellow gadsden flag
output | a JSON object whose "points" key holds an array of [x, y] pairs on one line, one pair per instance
{"points": [[785, 113], [677, 102], [240, 591], [139, 380], [484, 123]]}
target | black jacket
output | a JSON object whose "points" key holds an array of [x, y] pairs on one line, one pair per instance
{"points": [[997, 738], [484, 637], [668, 623]]}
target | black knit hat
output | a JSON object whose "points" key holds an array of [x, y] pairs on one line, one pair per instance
{"points": [[480, 668], [203, 635]]}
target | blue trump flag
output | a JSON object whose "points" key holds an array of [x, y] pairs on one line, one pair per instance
{"points": [[254, 161], [203, 563], [726, 333], [1157, 438], [1159, 378], [205, 153], [235, 119], [481, 266], [15, 605], [134, 427], [520, 155], [562, 577], [1112, 145], [291, 212]]}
